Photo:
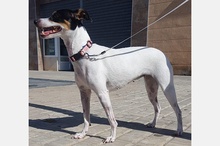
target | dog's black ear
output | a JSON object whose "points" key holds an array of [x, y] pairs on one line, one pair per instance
{"points": [[81, 14]]}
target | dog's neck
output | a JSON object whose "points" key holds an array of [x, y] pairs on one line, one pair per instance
{"points": [[74, 40]]}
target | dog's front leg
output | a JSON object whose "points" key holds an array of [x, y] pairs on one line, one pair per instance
{"points": [[106, 103], [85, 99]]}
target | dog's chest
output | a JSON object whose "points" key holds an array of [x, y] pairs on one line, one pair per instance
{"points": [[80, 74]]}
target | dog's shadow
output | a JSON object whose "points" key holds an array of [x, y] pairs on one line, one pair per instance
{"points": [[76, 118]]}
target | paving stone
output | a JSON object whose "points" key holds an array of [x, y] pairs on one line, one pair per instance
{"points": [[155, 140], [179, 141], [134, 136], [97, 129], [59, 134], [89, 142], [42, 140], [61, 142], [119, 143]]}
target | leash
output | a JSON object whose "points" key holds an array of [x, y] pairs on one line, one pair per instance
{"points": [[139, 30]]}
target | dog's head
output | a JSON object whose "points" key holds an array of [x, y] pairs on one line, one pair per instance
{"points": [[60, 22]]}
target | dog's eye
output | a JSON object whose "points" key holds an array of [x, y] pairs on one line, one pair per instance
{"points": [[51, 18], [55, 17]]}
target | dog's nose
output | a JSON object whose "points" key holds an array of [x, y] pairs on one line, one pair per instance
{"points": [[35, 22]]}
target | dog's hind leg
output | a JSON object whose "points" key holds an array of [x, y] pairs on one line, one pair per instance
{"points": [[85, 99], [152, 88], [171, 97], [165, 79]]}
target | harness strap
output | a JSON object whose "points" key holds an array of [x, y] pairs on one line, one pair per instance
{"points": [[82, 52]]}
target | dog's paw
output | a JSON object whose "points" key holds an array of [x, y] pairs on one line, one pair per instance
{"points": [[79, 135], [178, 133], [109, 139], [150, 125]]}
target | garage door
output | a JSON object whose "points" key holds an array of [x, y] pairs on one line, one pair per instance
{"points": [[111, 21]]}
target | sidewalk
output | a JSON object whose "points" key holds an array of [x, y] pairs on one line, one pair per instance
{"points": [[55, 113]]}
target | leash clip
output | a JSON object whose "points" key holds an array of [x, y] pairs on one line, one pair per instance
{"points": [[87, 56]]}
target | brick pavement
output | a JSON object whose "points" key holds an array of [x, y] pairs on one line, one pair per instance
{"points": [[55, 113]]}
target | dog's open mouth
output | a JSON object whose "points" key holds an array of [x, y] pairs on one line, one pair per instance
{"points": [[50, 30]]}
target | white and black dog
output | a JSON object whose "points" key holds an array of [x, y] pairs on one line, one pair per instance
{"points": [[113, 69]]}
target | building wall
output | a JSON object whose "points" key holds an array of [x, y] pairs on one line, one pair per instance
{"points": [[172, 35], [33, 58]]}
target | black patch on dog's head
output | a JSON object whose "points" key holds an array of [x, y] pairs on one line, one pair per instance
{"points": [[69, 17]]}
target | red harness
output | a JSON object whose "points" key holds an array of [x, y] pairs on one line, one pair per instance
{"points": [[82, 52]]}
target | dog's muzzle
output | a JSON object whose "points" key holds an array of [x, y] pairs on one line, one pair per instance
{"points": [[45, 31]]}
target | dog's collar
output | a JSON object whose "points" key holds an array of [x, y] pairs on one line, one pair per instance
{"points": [[82, 52]]}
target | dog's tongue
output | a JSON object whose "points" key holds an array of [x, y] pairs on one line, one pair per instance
{"points": [[46, 32]]}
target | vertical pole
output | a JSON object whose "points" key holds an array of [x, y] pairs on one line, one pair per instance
{"points": [[147, 20], [39, 51]]}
